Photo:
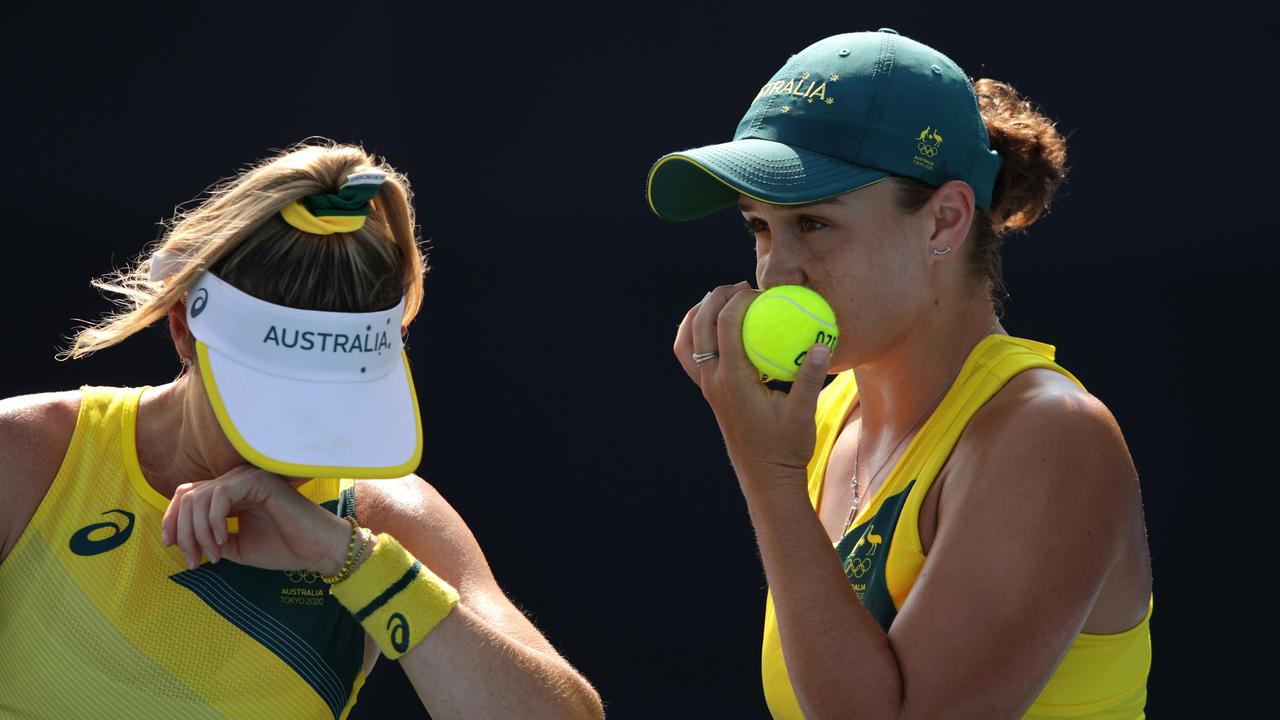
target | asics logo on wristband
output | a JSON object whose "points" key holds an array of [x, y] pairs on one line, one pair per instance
{"points": [[399, 627]]}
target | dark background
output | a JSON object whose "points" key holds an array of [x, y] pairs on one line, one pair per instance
{"points": [[557, 420]]}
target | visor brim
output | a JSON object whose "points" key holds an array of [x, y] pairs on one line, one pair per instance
{"points": [[304, 428]]}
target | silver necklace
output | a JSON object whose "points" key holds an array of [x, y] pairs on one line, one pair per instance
{"points": [[858, 453]]}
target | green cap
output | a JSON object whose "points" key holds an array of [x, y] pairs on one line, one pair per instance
{"points": [[843, 113]]}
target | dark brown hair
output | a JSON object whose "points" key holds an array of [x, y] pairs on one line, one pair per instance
{"points": [[1034, 155]]}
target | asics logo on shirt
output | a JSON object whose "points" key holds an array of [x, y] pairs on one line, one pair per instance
{"points": [[82, 544]]}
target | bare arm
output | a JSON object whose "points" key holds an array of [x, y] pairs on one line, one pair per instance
{"points": [[485, 659], [34, 433]]}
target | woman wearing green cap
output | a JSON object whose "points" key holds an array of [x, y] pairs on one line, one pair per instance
{"points": [[953, 526], [246, 540]]}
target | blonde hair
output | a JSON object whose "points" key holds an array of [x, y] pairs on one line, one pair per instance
{"points": [[238, 234]]}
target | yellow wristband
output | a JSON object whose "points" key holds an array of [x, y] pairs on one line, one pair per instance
{"points": [[397, 599]]}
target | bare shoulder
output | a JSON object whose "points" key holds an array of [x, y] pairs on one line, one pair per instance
{"points": [[1048, 406], [1041, 416], [391, 500], [1043, 442], [413, 512], [35, 431], [1039, 384], [1041, 496]]}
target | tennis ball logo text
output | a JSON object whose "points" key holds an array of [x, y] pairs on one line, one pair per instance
{"points": [[327, 342], [825, 338]]}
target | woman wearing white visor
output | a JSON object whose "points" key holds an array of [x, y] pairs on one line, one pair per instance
{"points": [[202, 548]]}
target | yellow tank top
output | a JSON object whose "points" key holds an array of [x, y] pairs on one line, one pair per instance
{"points": [[1103, 677], [98, 619]]}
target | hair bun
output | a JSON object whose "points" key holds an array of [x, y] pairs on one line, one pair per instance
{"points": [[1034, 155]]}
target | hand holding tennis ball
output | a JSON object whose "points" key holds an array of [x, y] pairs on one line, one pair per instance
{"points": [[780, 326]]}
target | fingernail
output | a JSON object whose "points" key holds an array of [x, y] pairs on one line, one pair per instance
{"points": [[820, 353], [164, 538]]}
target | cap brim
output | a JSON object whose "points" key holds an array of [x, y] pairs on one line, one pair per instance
{"points": [[316, 429], [693, 183]]}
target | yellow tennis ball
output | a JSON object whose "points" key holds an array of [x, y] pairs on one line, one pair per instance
{"points": [[781, 324]]}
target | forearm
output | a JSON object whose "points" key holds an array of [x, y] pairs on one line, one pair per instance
{"points": [[840, 661], [471, 666], [467, 668]]}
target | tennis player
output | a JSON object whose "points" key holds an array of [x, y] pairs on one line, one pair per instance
{"points": [[246, 540], [960, 533]]}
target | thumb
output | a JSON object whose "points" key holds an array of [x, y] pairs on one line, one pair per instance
{"points": [[809, 378], [230, 549]]}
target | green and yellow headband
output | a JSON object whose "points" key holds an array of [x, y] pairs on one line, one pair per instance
{"points": [[340, 212]]}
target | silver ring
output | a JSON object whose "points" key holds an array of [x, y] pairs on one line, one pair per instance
{"points": [[699, 358]]}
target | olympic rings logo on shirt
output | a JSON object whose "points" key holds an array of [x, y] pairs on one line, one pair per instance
{"points": [[302, 576], [857, 567]]}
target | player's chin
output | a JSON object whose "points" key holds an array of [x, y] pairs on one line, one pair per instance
{"points": [[838, 363]]}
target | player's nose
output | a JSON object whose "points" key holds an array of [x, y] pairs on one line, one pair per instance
{"points": [[782, 266]]}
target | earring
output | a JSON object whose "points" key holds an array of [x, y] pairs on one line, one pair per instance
{"points": [[945, 250]]}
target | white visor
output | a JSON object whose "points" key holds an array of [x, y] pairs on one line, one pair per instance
{"points": [[304, 392]]}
